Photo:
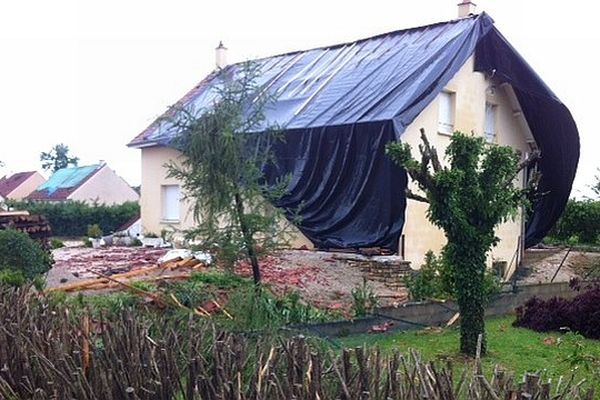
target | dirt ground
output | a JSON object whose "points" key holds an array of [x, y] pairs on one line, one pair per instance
{"points": [[321, 279], [540, 265]]}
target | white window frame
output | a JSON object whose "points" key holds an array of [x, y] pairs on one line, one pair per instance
{"points": [[170, 206], [490, 122], [446, 112]]}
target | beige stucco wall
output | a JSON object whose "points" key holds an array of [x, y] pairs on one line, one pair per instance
{"points": [[105, 187], [154, 176], [25, 189], [470, 98]]}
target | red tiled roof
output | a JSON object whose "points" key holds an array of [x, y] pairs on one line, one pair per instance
{"points": [[9, 184]]}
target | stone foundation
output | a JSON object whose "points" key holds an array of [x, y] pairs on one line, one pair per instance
{"points": [[390, 270]]}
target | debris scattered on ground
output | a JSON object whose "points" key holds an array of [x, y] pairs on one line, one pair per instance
{"points": [[74, 263], [540, 265], [321, 278], [381, 328], [185, 253], [155, 273]]}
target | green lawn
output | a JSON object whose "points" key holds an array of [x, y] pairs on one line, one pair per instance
{"points": [[515, 349]]}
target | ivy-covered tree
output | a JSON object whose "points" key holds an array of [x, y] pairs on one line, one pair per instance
{"points": [[57, 158], [225, 150], [467, 199]]}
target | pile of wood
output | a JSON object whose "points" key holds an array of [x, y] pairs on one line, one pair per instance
{"points": [[177, 268], [36, 226]]}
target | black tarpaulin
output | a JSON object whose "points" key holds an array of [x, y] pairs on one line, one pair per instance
{"points": [[340, 105]]}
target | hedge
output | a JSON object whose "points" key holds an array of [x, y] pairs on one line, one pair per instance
{"points": [[73, 218], [579, 223]]}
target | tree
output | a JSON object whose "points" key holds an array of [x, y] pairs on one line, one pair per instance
{"points": [[467, 200], [225, 151], [57, 158], [596, 186]]}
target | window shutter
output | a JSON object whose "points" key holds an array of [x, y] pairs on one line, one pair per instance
{"points": [[170, 206], [446, 113], [490, 122]]}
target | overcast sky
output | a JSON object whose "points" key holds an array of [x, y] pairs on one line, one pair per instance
{"points": [[94, 74]]}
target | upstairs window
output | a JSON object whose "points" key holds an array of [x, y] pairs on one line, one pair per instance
{"points": [[446, 113], [170, 202], [489, 129]]}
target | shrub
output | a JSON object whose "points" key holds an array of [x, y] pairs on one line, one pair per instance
{"points": [[435, 280], [72, 218], [364, 300], [581, 314], [431, 281], [18, 252], [12, 278], [56, 243], [135, 242], [94, 231], [579, 223]]}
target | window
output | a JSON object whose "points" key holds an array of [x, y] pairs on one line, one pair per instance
{"points": [[170, 202], [489, 129], [446, 113]]}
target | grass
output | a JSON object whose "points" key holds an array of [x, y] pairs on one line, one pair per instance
{"points": [[517, 350]]}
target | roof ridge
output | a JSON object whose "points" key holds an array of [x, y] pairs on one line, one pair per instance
{"points": [[377, 36]]}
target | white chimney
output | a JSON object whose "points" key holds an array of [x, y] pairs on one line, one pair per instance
{"points": [[221, 56], [466, 8]]}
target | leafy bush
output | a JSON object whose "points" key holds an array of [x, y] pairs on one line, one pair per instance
{"points": [[431, 281], [12, 278], [579, 223], [94, 231], [56, 243], [581, 314], [435, 280], [72, 218], [135, 242], [18, 252], [364, 300]]}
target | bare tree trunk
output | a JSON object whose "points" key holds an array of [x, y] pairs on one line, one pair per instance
{"points": [[248, 240]]}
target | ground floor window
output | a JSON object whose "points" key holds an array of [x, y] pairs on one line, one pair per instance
{"points": [[170, 202]]}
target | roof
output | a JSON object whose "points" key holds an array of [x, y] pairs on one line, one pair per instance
{"points": [[361, 81], [64, 182], [129, 223], [370, 91], [9, 184]]}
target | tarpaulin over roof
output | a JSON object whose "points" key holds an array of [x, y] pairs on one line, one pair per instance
{"points": [[339, 106], [64, 182]]}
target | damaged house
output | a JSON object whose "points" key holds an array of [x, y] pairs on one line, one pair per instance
{"points": [[339, 106], [91, 184]]}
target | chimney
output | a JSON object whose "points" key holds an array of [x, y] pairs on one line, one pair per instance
{"points": [[221, 56], [466, 8]]}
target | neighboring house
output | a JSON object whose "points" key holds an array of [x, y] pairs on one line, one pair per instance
{"points": [[340, 105], [131, 228], [20, 185], [90, 184]]}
